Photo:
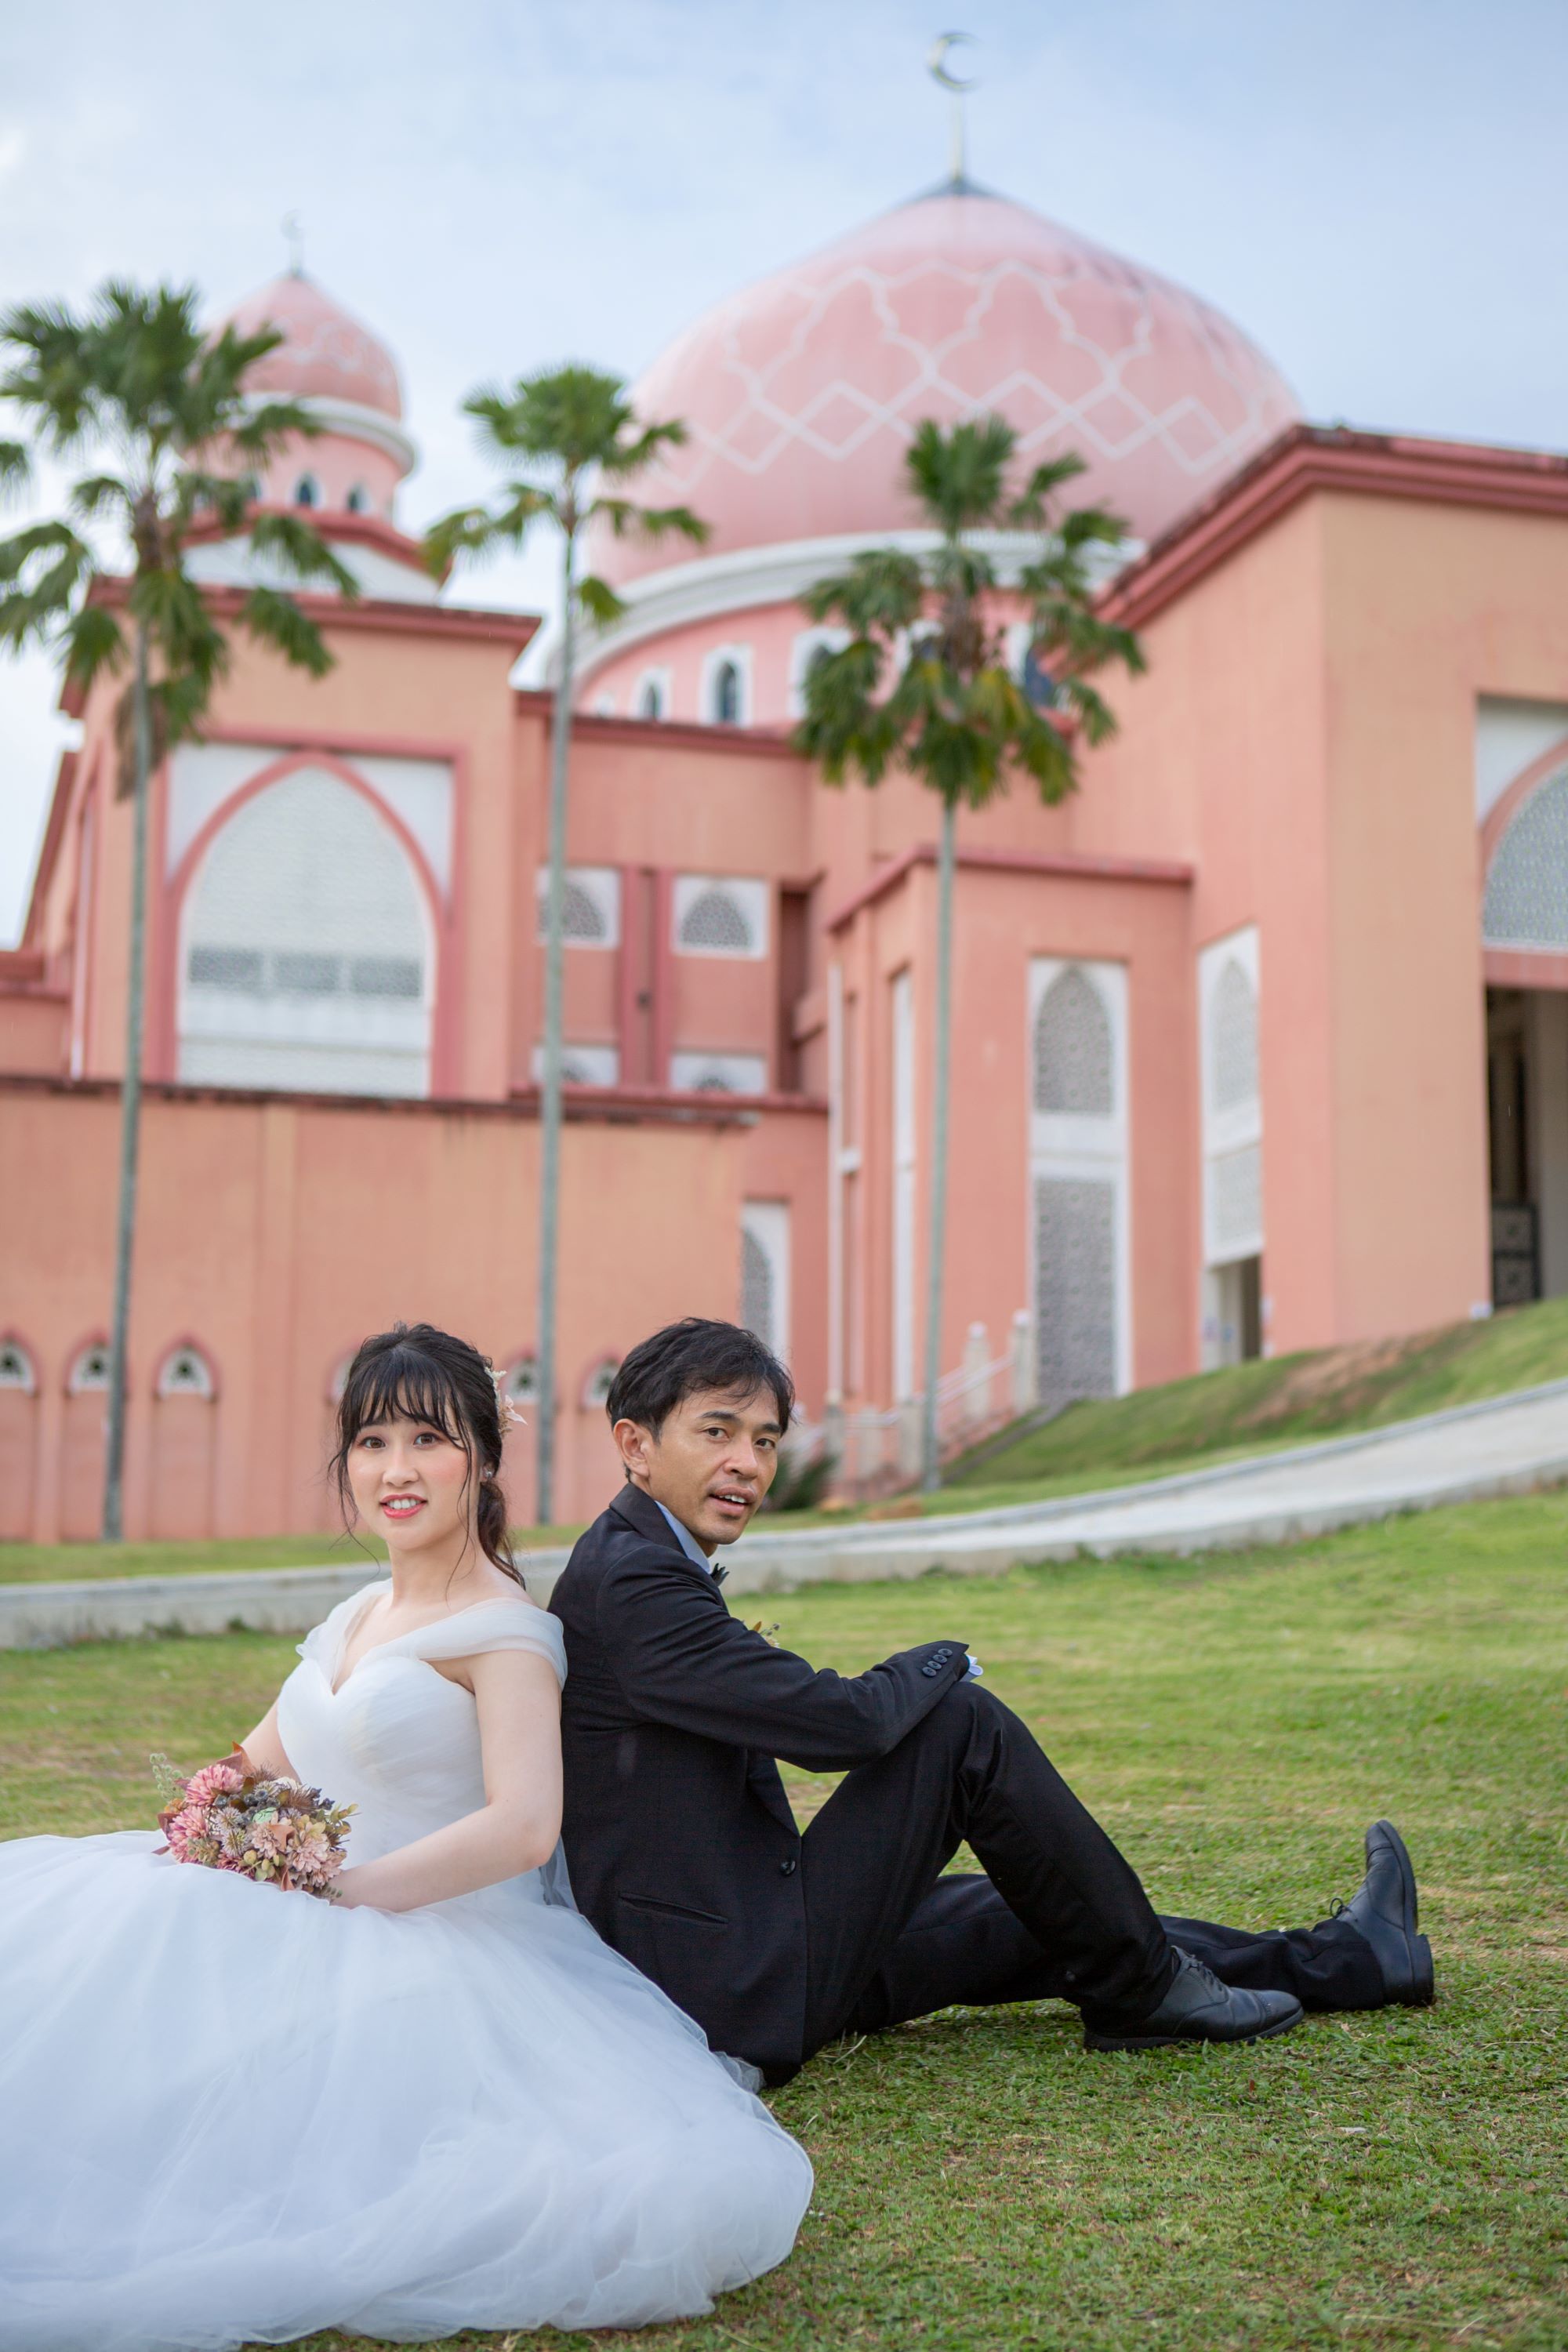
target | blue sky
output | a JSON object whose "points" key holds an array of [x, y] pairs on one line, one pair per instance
{"points": [[1373, 191]]}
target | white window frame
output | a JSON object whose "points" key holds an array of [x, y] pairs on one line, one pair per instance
{"points": [[808, 643], [740, 656], [906, 1179], [598, 1066], [1239, 1128], [76, 1382], [661, 679], [754, 898], [1074, 1144], [187, 1350], [767, 1223], [602, 883], [687, 1068]]}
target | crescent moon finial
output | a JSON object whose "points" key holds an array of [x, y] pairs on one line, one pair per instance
{"points": [[937, 66], [293, 228]]}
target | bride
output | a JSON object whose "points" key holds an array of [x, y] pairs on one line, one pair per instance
{"points": [[231, 2114]]}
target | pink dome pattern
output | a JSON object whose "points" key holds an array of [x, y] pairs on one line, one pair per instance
{"points": [[326, 353], [802, 392]]}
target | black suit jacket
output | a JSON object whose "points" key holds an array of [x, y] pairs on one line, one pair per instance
{"points": [[679, 1838]]}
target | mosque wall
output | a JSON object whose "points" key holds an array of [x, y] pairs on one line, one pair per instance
{"points": [[1431, 608], [275, 1233]]}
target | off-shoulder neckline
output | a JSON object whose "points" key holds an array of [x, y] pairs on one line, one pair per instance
{"points": [[362, 1601]]}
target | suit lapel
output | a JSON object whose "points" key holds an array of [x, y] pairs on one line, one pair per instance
{"points": [[641, 1512]]}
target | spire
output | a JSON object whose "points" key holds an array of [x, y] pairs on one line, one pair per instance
{"points": [[293, 227], [957, 176]]}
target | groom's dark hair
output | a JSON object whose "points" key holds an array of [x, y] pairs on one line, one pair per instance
{"points": [[661, 1371]]}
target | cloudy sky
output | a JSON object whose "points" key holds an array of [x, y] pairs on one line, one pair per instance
{"points": [[1373, 188]]}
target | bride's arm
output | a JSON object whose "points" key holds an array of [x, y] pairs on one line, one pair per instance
{"points": [[263, 1748], [519, 1700]]}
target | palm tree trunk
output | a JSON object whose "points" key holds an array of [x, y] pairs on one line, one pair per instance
{"points": [[550, 1092], [941, 1059], [130, 1105]]}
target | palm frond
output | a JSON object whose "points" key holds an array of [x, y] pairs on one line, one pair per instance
{"points": [[599, 600], [626, 517], [187, 641], [630, 456], [1031, 510], [302, 550], [262, 429], [275, 619], [94, 493], [93, 641], [480, 531], [958, 475], [15, 468], [881, 593], [42, 571]]}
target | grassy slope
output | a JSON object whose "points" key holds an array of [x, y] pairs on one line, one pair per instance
{"points": [[1395, 2180], [1289, 1399]]}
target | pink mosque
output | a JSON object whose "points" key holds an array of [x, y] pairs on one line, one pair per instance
{"points": [[1261, 1040]]}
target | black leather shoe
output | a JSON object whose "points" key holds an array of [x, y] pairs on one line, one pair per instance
{"points": [[1198, 2008], [1383, 1909]]}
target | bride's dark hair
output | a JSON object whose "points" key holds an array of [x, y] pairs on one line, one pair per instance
{"points": [[414, 1373]]}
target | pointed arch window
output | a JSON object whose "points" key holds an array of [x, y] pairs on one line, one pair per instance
{"points": [[186, 1371], [1074, 1071]]}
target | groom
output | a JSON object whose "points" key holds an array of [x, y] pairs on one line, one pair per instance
{"points": [[685, 1854]]}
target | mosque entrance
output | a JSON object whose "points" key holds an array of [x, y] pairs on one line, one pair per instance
{"points": [[1527, 1109]]}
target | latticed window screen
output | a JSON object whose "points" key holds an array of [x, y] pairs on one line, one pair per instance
{"points": [[716, 919], [1235, 1200], [90, 1370], [1073, 1065], [1233, 1040], [756, 1288], [16, 1367], [1527, 889], [186, 1373], [1074, 1287], [581, 918]]}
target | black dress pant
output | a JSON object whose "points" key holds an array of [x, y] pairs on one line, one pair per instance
{"points": [[1058, 1913]]}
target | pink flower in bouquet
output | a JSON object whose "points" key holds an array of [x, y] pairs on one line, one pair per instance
{"points": [[230, 1817]]}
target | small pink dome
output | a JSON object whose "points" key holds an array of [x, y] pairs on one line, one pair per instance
{"points": [[801, 392], [326, 351]]}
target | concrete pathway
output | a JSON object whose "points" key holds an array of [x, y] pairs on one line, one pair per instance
{"points": [[1504, 1445]]}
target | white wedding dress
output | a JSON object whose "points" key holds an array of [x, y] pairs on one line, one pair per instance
{"points": [[230, 2114]]}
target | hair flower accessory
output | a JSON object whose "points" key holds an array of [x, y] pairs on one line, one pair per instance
{"points": [[507, 1413]]}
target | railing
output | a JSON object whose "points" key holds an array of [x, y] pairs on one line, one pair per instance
{"points": [[876, 1452]]}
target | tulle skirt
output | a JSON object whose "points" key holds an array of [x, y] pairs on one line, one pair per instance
{"points": [[229, 2115]]}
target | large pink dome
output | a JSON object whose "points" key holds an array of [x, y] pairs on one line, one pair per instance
{"points": [[326, 351], [801, 392]]}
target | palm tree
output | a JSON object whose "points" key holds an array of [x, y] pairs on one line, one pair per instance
{"points": [[560, 434], [133, 383], [954, 715]]}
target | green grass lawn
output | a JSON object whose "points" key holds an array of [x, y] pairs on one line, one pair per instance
{"points": [[58, 1563], [1395, 2179]]}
